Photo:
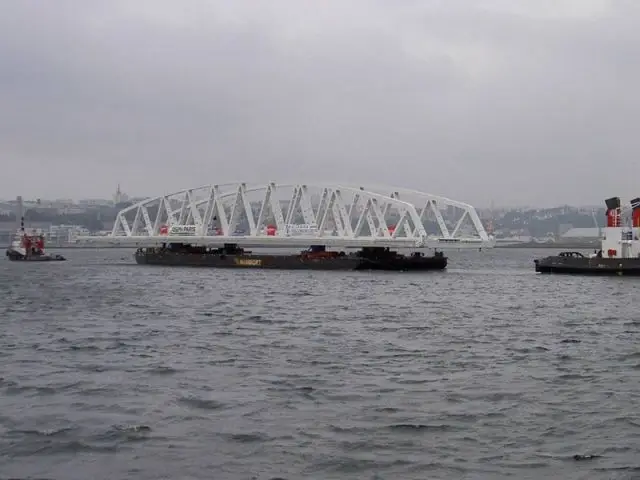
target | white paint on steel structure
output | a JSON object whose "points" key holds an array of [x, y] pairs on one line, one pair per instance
{"points": [[451, 225], [298, 215]]}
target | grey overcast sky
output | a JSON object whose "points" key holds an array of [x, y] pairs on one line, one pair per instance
{"points": [[515, 101]]}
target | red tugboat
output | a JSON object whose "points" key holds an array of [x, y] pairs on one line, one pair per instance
{"points": [[29, 248]]}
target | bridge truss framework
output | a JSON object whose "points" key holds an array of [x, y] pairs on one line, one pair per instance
{"points": [[298, 215]]}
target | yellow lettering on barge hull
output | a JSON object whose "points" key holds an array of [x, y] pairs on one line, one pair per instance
{"points": [[248, 262]]}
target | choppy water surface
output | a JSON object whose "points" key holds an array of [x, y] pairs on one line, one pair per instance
{"points": [[114, 371]]}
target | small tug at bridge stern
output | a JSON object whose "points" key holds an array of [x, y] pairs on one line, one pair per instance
{"points": [[619, 253]]}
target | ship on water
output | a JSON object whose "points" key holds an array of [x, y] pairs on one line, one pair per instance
{"points": [[619, 253], [317, 257], [29, 247]]}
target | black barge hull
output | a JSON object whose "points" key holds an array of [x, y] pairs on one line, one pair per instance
{"points": [[289, 262], [589, 266]]}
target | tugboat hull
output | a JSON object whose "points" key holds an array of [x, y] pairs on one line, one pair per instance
{"points": [[16, 256], [289, 262], [580, 265]]}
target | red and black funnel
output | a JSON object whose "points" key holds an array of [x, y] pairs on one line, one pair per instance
{"points": [[613, 211], [612, 203], [635, 207]]}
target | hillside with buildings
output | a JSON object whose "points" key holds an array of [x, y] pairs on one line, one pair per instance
{"points": [[62, 218], [565, 223]]}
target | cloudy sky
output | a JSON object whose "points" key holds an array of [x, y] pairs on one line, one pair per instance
{"points": [[511, 101]]}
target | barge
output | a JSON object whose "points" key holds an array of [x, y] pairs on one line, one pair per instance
{"points": [[619, 253], [315, 258]]}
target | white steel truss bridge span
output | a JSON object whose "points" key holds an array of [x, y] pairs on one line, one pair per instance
{"points": [[298, 215]]}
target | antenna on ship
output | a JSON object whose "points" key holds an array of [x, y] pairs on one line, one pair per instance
{"points": [[20, 212], [595, 222]]}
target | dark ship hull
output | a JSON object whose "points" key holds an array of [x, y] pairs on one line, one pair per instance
{"points": [[368, 259], [577, 264], [16, 256]]}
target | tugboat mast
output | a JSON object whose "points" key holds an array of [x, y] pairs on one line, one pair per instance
{"points": [[20, 212]]}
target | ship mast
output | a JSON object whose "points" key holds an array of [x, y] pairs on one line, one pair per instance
{"points": [[20, 212], [596, 224]]}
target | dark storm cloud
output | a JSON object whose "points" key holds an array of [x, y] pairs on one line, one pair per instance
{"points": [[474, 100]]}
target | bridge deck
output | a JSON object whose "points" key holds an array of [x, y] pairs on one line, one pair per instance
{"points": [[281, 241]]}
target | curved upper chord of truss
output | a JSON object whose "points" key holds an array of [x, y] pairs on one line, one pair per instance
{"points": [[292, 214]]}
